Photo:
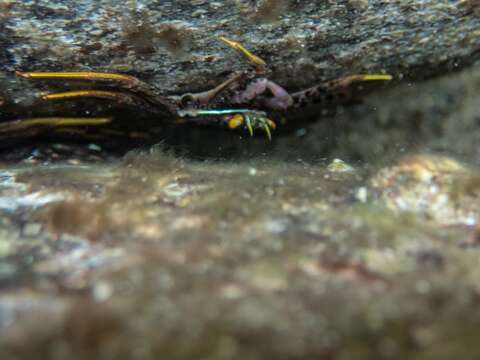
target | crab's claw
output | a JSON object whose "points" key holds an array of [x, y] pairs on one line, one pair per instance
{"points": [[252, 121]]}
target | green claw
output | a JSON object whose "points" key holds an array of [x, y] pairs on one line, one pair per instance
{"points": [[249, 125], [267, 130], [254, 119]]}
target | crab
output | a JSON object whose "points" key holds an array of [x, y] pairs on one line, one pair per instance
{"points": [[227, 105]]}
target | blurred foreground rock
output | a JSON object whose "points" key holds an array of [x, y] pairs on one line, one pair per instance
{"points": [[156, 256]]}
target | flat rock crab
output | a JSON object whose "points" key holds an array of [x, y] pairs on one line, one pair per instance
{"points": [[243, 101]]}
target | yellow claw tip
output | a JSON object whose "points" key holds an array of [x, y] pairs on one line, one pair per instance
{"points": [[249, 125], [373, 77], [236, 45], [267, 131]]}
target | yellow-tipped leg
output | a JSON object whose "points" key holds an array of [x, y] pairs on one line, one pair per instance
{"points": [[130, 81], [80, 94], [98, 94], [372, 77], [66, 121], [237, 46], [346, 81]]}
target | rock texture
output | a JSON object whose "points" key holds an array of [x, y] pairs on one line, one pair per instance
{"points": [[156, 256], [174, 44]]}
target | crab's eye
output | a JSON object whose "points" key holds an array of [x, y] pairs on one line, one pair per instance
{"points": [[235, 121], [187, 99]]}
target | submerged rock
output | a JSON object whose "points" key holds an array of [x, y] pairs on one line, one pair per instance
{"points": [[156, 256], [436, 187]]}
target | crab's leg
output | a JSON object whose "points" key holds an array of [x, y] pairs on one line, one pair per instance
{"points": [[334, 91], [347, 81], [204, 97], [100, 94], [127, 82], [201, 112], [121, 98], [237, 46], [248, 123], [22, 124]]}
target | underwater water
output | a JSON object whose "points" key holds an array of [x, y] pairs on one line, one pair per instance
{"points": [[351, 234]]}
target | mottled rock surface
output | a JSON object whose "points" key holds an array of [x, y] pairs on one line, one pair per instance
{"points": [[174, 44]]}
